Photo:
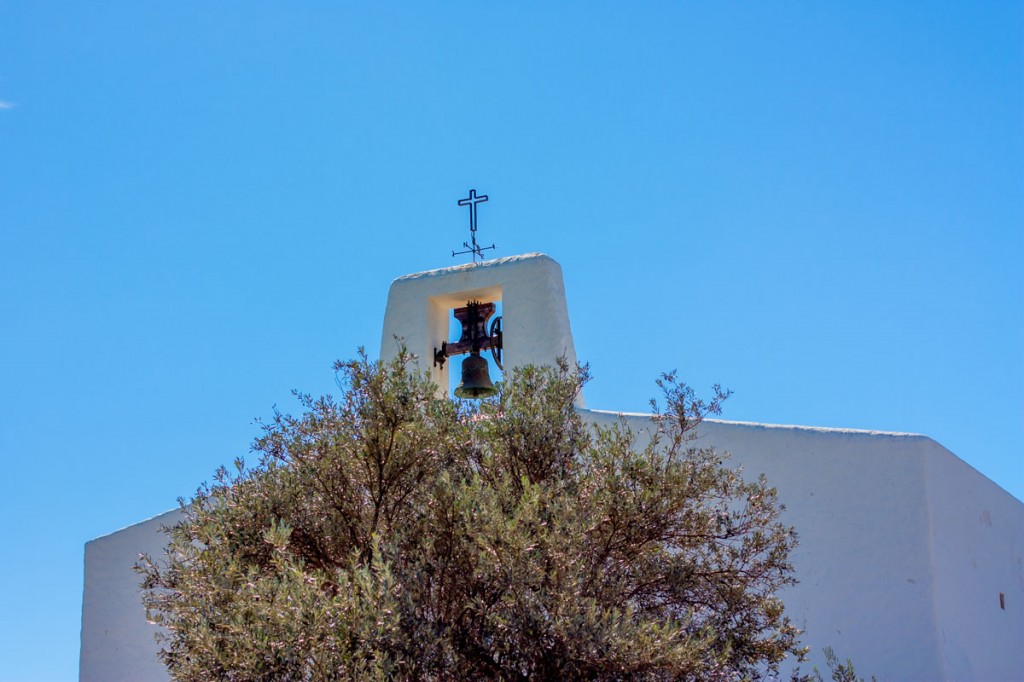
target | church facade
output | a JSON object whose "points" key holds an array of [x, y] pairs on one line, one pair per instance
{"points": [[910, 562]]}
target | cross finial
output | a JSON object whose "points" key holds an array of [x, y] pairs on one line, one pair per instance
{"points": [[472, 200]]}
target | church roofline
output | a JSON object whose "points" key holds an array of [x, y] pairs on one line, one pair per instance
{"points": [[466, 267], [787, 427]]}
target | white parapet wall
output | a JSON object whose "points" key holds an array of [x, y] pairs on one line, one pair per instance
{"points": [[904, 549], [118, 645], [910, 562]]}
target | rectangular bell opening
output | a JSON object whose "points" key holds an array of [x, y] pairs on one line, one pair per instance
{"points": [[455, 362]]}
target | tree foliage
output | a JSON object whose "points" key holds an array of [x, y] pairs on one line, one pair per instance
{"points": [[839, 671], [393, 534]]}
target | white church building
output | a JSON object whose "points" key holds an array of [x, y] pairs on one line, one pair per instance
{"points": [[910, 562]]}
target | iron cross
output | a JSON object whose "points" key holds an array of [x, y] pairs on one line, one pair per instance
{"points": [[472, 200]]}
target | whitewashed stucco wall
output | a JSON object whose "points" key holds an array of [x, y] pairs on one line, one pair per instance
{"points": [[118, 644], [977, 540], [904, 548]]}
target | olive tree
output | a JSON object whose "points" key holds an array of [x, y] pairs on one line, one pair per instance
{"points": [[390, 533]]}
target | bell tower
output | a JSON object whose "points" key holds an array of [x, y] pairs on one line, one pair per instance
{"points": [[535, 319]]}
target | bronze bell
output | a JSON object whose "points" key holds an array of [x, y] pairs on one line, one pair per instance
{"points": [[476, 381]]}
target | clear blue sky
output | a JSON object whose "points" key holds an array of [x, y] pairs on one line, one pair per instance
{"points": [[202, 205]]}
